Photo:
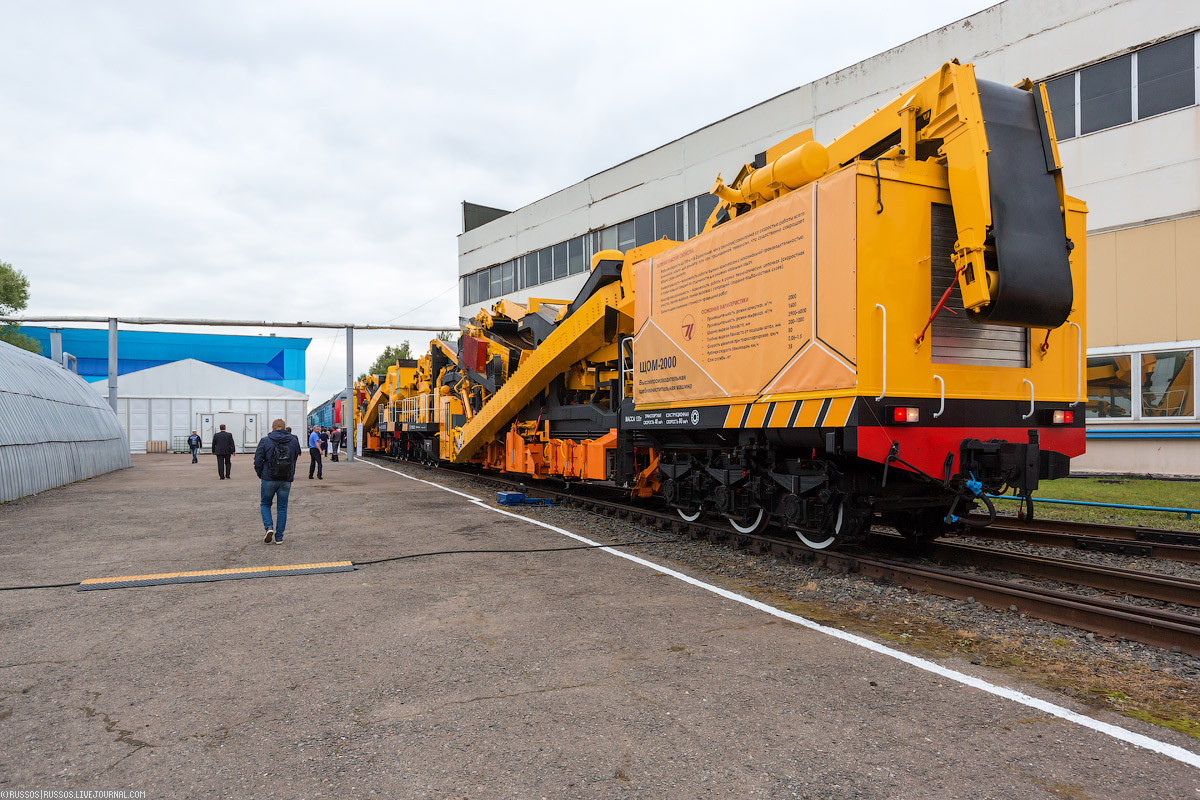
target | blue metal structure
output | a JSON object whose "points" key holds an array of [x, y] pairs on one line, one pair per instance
{"points": [[275, 359]]}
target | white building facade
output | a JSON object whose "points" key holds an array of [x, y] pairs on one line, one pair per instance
{"points": [[164, 404], [1123, 78]]}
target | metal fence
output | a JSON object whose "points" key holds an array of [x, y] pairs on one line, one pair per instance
{"points": [[54, 428]]}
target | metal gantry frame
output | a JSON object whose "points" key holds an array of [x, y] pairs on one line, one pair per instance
{"points": [[349, 328]]}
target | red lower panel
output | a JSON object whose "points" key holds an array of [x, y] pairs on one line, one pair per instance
{"points": [[926, 448]]}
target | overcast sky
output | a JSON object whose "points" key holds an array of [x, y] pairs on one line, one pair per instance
{"points": [[306, 161]]}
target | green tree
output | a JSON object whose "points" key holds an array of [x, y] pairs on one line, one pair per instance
{"points": [[14, 296], [387, 358], [445, 336]]}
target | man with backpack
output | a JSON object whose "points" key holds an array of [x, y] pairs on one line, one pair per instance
{"points": [[275, 462]]}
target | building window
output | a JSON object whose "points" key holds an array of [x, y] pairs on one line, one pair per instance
{"points": [[608, 238], [1166, 78], [626, 236], [531, 269], [1105, 94], [1167, 381], [576, 260], [664, 224], [1061, 92], [678, 221], [1138, 85], [645, 229], [1110, 387], [560, 260], [497, 282]]}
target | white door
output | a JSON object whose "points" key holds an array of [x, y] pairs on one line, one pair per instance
{"points": [[234, 422], [139, 423], [250, 439], [204, 427]]}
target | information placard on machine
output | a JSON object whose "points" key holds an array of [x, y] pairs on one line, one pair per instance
{"points": [[732, 313]]}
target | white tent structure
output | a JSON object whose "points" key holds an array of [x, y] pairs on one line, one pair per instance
{"points": [[166, 403]]}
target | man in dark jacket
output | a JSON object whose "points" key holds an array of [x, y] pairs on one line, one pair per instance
{"points": [[194, 444], [223, 447], [275, 463]]}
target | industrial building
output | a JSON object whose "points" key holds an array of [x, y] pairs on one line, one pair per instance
{"points": [[53, 428], [1123, 79], [169, 384]]}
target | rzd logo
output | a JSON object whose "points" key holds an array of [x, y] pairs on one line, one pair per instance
{"points": [[689, 327]]}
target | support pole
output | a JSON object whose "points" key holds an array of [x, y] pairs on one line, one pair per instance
{"points": [[351, 401], [112, 363], [56, 346]]}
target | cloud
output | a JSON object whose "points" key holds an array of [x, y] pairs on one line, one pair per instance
{"points": [[306, 160]]}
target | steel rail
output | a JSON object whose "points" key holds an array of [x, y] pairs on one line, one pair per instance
{"points": [[1167, 588], [1174, 545]]}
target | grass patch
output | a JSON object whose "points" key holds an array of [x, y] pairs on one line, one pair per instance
{"points": [[1127, 491]]}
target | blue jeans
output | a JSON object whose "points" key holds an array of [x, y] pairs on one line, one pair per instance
{"points": [[194, 451], [269, 491]]}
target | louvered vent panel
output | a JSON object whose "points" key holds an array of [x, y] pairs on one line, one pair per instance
{"points": [[955, 339]]}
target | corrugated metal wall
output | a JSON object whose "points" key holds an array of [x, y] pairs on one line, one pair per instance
{"points": [[54, 428]]}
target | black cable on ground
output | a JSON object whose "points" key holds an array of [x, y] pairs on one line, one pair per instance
{"points": [[43, 586], [411, 555], [500, 552]]}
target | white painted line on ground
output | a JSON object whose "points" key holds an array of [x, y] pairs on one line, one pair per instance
{"points": [[1115, 731]]}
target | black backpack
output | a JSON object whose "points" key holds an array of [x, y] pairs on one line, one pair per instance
{"points": [[279, 461]]}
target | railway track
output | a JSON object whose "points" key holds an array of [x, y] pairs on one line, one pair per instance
{"points": [[1101, 615], [1149, 542]]}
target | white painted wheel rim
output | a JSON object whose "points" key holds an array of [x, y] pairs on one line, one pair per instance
{"points": [[689, 517], [753, 527], [817, 544]]}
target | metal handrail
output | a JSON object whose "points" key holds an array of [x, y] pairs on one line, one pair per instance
{"points": [[1078, 363], [942, 407], [884, 392], [1030, 414]]}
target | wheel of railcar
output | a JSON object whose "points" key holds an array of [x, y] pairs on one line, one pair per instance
{"points": [[692, 517], [830, 534], [756, 526]]}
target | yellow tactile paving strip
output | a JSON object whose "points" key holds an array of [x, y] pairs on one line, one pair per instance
{"points": [[200, 576]]}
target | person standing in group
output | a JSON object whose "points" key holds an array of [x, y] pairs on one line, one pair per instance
{"points": [[335, 443], [275, 463], [324, 441], [194, 444], [223, 448], [314, 453]]}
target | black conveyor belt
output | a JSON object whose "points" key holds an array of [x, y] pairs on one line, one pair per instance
{"points": [[1034, 288]]}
